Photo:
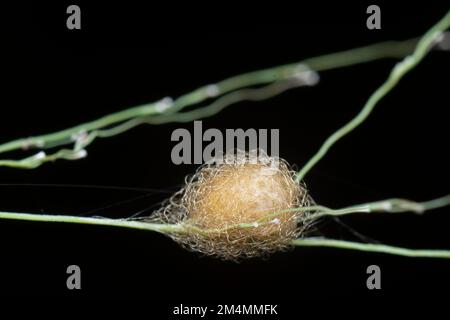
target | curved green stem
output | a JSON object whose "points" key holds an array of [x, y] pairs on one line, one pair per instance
{"points": [[399, 71], [129, 118], [372, 247], [79, 151]]}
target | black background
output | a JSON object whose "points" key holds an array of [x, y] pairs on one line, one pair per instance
{"points": [[126, 55]]}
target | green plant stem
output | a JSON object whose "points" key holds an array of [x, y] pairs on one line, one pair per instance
{"points": [[350, 57], [372, 247], [394, 205], [389, 205], [158, 227], [399, 71], [249, 94], [129, 118]]}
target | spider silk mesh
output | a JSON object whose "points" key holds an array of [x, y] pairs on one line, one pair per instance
{"points": [[242, 206]]}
